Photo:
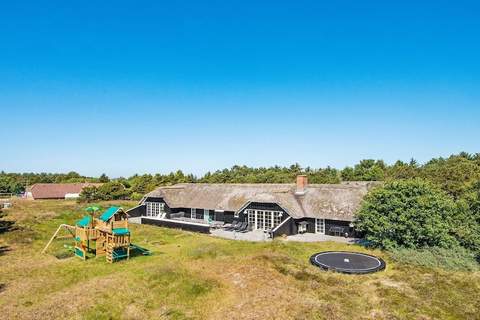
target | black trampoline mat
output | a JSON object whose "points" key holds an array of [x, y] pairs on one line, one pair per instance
{"points": [[347, 262]]}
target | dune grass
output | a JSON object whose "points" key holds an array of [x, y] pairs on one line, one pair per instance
{"points": [[196, 276]]}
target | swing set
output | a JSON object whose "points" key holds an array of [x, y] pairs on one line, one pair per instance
{"points": [[107, 235]]}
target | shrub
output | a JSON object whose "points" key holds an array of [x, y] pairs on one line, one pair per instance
{"points": [[113, 191], [88, 194], [458, 258], [408, 213], [472, 200], [108, 191], [136, 196], [467, 226]]}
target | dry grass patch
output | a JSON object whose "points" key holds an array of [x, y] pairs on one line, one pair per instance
{"points": [[253, 290], [195, 276]]}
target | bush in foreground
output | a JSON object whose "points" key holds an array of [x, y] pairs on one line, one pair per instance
{"points": [[408, 213]]}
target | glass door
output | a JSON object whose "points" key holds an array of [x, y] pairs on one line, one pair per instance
{"points": [[260, 220], [268, 220], [251, 219]]}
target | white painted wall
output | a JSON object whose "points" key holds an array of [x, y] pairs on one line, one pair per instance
{"points": [[72, 195]]}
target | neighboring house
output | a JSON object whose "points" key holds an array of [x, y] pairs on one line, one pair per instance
{"points": [[276, 208], [56, 190]]}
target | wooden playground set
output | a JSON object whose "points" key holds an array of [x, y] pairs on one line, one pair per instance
{"points": [[107, 235]]}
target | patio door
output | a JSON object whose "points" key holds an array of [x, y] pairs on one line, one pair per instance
{"points": [[268, 216], [155, 209], [252, 221], [263, 219], [260, 219]]}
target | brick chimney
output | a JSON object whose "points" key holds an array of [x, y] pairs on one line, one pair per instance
{"points": [[302, 182]]}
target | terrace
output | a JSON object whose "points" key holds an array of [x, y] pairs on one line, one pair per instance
{"points": [[180, 216], [215, 228], [177, 220], [255, 235]]}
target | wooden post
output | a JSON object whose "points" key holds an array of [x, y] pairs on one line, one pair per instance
{"points": [[68, 227], [128, 247]]}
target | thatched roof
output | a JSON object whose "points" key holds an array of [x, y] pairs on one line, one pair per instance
{"points": [[330, 201]]}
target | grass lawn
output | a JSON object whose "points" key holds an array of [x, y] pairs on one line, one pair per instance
{"points": [[195, 276]]}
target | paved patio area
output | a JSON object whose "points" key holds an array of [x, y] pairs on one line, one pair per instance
{"points": [[135, 220], [259, 235], [201, 221], [315, 237], [256, 235]]}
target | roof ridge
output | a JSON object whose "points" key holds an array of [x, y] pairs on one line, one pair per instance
{"points": [[349, 184], [235, 183]]}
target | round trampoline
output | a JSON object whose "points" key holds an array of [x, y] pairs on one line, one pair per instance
{"points": [[347, 262]]}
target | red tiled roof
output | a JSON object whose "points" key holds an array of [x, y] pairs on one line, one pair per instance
{"points": [[56, 190]]}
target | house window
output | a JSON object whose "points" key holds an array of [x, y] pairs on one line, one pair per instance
{"points": [[260, 220], [194, 213], [277, 218], [251, 218], [268, 220], [263, 219], [320, 226], [155, 209]]}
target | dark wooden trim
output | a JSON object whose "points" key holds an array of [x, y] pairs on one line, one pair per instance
{"points": [[287, 228], [137, 211], [177, 225]]}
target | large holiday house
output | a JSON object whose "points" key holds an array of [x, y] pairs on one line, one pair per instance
{"points": [[279, 209]]}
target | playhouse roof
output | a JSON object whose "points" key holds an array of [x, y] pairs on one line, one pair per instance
{"points": [[109, 213], [85, 221]]}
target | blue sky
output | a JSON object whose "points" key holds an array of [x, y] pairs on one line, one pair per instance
{"points": [[126, 87]]}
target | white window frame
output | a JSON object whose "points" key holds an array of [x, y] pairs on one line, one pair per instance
{"points": [[251, 218], [320, 226], [193, 213], [277, 217], [154, 209], [206, 215], [260, 222], [270, 219], [161, 207], [147, 209]]}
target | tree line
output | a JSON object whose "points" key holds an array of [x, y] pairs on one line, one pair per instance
{"points": [[454, 174]]}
